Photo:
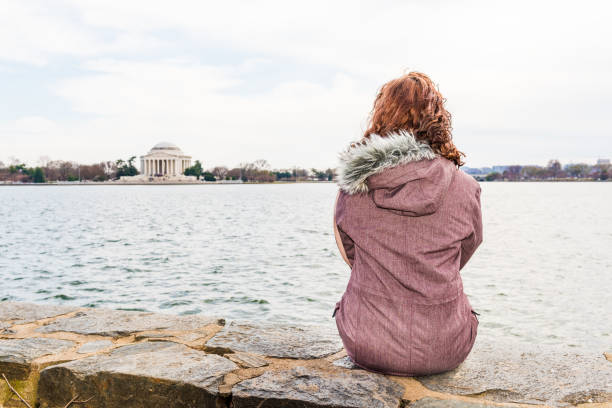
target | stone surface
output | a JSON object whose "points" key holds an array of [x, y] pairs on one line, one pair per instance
{"points": [[189, 337], [159, 374], [16, 355], [345, 362], [277, 341], [22, 313], [5, 328], [162, 373], [186, 337], [307, 387], [429, 402], [117, 323], [247, 360], [153, 336], [588, 397], [509, 372], [94, 346]]}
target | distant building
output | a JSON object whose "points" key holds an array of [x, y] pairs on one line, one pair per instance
{"points": [[476, 171], [499, 169], [165, 162], [164, 159], [603, 161]]}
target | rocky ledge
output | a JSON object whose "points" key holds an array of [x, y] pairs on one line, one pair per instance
{"points": [[57, 356]]}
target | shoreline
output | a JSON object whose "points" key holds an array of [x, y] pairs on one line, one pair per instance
{"points": [[261, 183], [163, 183]]}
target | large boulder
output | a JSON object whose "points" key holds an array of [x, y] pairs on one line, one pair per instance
{"points": [[313, 388], [18, 363], [151, 375], [506, 371], [117, 323], [274, 340], [17, 355], [12, 313]]}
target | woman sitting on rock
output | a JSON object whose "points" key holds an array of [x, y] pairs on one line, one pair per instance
{"points": [[406, 221]]}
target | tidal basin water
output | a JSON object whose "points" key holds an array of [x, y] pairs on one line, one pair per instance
{"points": [[267, 253]]}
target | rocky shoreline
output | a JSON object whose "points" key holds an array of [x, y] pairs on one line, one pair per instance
{"points": [[58, 356]]}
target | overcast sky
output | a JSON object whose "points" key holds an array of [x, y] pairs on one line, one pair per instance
{"points": [[293, 82]]}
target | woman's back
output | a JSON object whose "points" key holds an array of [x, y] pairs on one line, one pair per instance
{"points": [[408, 220]]}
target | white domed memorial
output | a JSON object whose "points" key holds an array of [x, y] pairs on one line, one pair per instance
{"points": [[165, 162]]}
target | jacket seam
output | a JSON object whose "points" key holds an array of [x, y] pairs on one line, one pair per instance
{"points": [[367, 290]]}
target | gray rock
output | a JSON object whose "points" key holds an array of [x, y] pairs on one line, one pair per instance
{"points": [[5, 328], [247, 360], [94, 346], [153, 336], [429, 402], [306, 387], [589, 397], [16, 355], [510, 372], [277, 340], [345, 362], [186, 337], [160, 374], [22, 313], [117, 323]]}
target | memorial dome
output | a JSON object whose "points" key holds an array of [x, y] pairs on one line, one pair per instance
{"points": [[165, 146]]}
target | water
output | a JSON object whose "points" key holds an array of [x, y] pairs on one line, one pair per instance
{"points": [[267, 253]]}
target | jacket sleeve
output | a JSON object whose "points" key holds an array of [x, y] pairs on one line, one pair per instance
{"points": [[347, 243], [472, 241]]}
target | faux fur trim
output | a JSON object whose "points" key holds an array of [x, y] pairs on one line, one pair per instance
{"points": [[378, 153]]}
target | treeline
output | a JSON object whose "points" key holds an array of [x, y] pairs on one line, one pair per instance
{"points": [[67, 171], [553, 171], [259, 171], [57, 170]]}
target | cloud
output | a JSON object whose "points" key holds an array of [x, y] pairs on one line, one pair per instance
{"points": [[196, 106], [293, 82], [34, 125]]}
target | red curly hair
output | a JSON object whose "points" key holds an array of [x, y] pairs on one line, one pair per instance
{"points": [[413, 103]]}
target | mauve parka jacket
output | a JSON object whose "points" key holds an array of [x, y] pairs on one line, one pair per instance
{"points": [[409, 220]]}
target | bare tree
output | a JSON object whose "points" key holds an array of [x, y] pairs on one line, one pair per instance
{"points": [[67, 170], [95, 172], [235, 173], [220, 172], [246, 170], [555, 168], [513, 173], [261, 164], [299, 173], [578, 170]]}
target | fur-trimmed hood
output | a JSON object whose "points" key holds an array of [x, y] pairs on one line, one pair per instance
{"points": [[377, 154], [402, 173]]}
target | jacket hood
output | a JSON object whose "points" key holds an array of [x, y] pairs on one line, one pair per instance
{"points": [[403, 175]]}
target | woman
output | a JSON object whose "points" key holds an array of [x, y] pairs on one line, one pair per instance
{"points": [[406, 221]]}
